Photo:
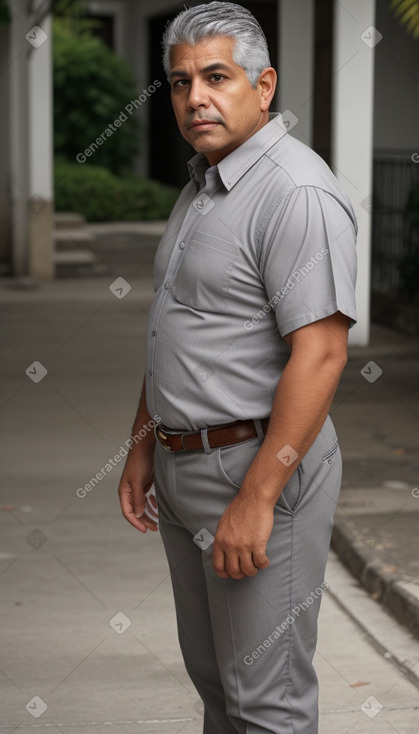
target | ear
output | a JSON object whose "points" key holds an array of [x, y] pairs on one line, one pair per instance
{"points": [[267, 85]]}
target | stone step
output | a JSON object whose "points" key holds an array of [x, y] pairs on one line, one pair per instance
{"points": [[76, 263], [74, 257], [74, 239], [68, 220]]}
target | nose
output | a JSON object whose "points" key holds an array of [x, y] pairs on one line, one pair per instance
{"points": [[198, 95]]}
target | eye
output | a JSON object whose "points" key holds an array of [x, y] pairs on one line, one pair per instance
{"points": [[180, 83], [217, 77]]}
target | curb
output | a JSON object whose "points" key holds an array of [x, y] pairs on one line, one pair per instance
{"points": [[389, 638], [376, 571]]}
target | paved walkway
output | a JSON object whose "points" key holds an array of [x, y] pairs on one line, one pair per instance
{"points": [[87, 619], [376, 413]]}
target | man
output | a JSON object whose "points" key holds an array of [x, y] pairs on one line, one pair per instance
{"points": [[254, 295]]}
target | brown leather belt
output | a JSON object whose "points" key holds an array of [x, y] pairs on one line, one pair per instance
{"points": [[224, 435]]}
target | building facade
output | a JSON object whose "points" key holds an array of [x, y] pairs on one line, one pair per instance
{"points": [[348, 81]]}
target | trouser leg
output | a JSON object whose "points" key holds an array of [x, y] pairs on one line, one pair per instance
{"points": [[261, 631], [191, 602], [194, 626]]}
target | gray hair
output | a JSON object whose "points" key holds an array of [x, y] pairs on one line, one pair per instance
{"points": [[220, 19]]}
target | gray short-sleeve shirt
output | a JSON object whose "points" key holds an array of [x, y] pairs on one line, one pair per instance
{"points": [[256, 247]]}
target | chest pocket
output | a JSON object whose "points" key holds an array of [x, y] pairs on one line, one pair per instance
{"points": [[202, 280]]}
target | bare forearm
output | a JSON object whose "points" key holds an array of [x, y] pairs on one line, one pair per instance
{"points": [[302, 402], [143, 425], [138, 475]]}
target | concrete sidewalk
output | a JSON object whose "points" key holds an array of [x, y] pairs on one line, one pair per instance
{"points": [[87, 618], [376, 413]]}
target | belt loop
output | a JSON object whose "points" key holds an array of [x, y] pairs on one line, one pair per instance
{"points": [[205, 442], [259, 429]]}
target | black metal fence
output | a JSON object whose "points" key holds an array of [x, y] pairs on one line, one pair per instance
{"points": [[394, 177]]}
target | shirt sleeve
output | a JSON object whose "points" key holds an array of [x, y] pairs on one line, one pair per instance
{"points": [[308, 259]]}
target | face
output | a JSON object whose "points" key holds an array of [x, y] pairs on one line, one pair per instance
{"points": [[215, 105]]}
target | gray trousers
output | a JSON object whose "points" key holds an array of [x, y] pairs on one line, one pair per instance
{"points": [[248, 644]]}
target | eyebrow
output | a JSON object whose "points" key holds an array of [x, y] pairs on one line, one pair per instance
{"points": [[211, 67]]}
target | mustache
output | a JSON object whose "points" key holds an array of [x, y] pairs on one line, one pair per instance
{"points": [[210, 118]]}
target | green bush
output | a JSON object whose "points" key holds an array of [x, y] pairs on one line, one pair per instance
{"points": [[5, 15], [102, 196], [92, 86]]}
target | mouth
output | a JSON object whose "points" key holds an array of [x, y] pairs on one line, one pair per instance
{"points": [[201, 125]]}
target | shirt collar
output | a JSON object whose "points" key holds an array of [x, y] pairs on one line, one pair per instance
{"points": [[237, 163], [198, 165]]}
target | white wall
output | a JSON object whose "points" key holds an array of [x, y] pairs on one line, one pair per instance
{"points": [[296, 64], [41, 132], [352, 131]]}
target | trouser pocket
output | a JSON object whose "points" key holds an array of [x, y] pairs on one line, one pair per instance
{"points": [[291, 493], [234, 461]]}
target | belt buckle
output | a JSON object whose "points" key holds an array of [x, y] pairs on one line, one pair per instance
{"points": [[160, 436]]}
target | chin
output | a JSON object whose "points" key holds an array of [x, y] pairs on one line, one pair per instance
{"points": [[206, 148], [206, 142]]}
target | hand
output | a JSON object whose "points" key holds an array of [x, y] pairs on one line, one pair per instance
{"points": [[241, 538], [132, 492]]}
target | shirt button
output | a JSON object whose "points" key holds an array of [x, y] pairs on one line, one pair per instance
{"points": [[154, 332], [166, 286], [200, 203], [150, 372], [182, 245]]}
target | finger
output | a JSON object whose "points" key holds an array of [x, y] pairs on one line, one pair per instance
{"points": [[247, 565], [260, 559], [232, 565], [128, 512], [149, 522], [135, 521], [218, 561], [151, 514]]}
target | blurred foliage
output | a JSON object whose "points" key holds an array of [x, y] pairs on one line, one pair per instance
{"points": [[74, 13], [409, 263], [408, 13], [92, 86], [5, 15], [102, 196]]}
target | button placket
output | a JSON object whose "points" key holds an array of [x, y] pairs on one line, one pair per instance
{"points": [[203, 204], [200, 206]]}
